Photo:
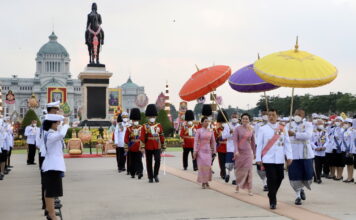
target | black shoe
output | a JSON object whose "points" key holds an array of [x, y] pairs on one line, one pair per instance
{"points": [[1, 177], [195, 169], [234, 182], [45, 213], [314, 180], [227, 178], [265, 188], [330, 177], [6, 172], [133, 177], [302, 195], [140, 175], [349, 181], [150, 180], [323, 175], [318, 181], [185, 168], [272, 206], [156, 179], [10, 166], [119, 171], [298, 201], [338, 179]]}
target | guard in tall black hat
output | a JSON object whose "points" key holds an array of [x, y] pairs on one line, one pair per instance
{"points": [[221, 142], [153, 140], [207, 110], [133, 144], [187, 132]]}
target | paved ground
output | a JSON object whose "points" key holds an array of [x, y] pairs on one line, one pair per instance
{"points": [[94, 190]]}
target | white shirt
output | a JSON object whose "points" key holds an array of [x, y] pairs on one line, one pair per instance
{"points": [[2, 137], [353, 142], [9, 137], [30, 133], [54, 159], [119, 135], [300, 143], [280, 149], [336, 137], [319, 139], [226, 135], [348, 139]]}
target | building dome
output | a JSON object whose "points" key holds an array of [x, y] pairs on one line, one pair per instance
{"points": [[52, 47], [129, 85]]}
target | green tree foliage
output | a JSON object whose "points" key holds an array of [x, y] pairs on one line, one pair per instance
{"points": [[322, 104], [144, 119], [29, 117], [163, 119]]}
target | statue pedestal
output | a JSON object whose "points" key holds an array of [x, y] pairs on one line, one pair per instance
{"points": [[95, 82]]}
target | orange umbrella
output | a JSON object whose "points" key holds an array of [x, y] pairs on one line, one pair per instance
{"points": [[204, 81]]}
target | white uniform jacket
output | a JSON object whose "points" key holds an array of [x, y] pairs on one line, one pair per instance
{"points": [[280, 149], [54, 159]]}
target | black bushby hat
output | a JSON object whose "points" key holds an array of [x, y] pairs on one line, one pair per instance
{"points": [[207, 110], [220, 117], [151, 110], [135, 114], [189, 115], [119, 118]]}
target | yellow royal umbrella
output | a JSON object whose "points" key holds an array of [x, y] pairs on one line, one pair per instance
{"points": [[296, 69]]}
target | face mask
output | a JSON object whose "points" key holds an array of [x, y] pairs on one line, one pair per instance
{"points": [[315, 121], [320, 127], [135, 122], [190, 122], [210, 118], [337, 123], [297, 118], [234, 120], [34, 124], [125, 119], [346, 126], [152, 120], [265, 118]]}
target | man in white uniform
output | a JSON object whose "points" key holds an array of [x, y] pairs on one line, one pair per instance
{"points": [[119, 140], [31, 133], [262, 173], [273, 146], [228, 134], [301, 171]]}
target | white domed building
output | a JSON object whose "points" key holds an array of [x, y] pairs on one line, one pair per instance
{"points": [[52, 70]]}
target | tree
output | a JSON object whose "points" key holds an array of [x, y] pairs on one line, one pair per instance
{"points": [[174, 112], [167, 126], [143, 118], [29, 117]]}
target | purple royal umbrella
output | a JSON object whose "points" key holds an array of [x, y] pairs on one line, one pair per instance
{"points": [[246, 80]]}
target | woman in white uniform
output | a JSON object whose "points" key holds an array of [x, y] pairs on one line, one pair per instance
{"points": [[53, 165]]}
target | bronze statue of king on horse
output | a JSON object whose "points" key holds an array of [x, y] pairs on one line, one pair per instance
{"points": [[94, 35]]}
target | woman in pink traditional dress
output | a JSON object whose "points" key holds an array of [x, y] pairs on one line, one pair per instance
{"points": [[204, 147], [245, 152]]}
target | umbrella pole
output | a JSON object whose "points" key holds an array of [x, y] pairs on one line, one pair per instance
{"points": [[225, 117], [266, 100], [291, 106]]}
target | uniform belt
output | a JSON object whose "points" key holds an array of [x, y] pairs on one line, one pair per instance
{"points": [[222, 142], [136, 140], [190, 137], [153, 138], [299, 142]]}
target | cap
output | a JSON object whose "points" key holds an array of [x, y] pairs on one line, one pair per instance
{"points": [[53, 104], [54, 117]]}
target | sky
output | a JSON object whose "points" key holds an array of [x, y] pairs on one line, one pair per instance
{"points": [[162, 40]]}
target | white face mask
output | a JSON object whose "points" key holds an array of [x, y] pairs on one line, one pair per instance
{"points": [[320, 127], [234, 120], [337, 123], [152, 120], [346, 126], [190, 122], [125, 119], [315, 121], [135, 122], [265, 118], [297, 118]]}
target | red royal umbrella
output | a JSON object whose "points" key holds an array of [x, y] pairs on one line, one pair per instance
{"points": [[204, 81]]}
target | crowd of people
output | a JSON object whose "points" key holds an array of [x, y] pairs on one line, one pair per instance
{"points": [[309, 148]]}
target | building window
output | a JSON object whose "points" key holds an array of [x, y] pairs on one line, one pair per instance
{"points": [[75, 113], [23, 111], [6, 111]]}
